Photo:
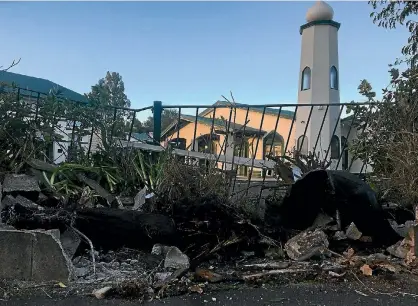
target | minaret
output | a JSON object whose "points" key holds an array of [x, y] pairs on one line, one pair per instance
{"points": [[319, 82]]}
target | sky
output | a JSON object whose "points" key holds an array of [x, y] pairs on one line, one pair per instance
{"points": [[189, 52]]}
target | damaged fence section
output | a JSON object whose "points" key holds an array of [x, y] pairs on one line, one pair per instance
{"points": [[241, 140]]}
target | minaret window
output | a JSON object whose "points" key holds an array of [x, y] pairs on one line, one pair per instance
{"points": [[306, 79], [333, 75]]}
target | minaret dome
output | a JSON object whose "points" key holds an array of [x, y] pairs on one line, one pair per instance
{"points": [[320, 11]]}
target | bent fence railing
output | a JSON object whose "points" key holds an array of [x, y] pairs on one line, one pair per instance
{"points": [[243, 140]]}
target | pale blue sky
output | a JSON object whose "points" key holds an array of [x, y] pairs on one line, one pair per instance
{"points": [[189, 52]]}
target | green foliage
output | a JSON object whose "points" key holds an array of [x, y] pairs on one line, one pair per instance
{"points": [[150, 168], [391, 14], [109, 96], [167, 117], [110, 91], [24, 132], [388, 130]]}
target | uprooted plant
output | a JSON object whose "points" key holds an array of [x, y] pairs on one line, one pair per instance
{"points": [[305, 162]]}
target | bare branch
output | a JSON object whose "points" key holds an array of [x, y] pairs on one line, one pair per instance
{"points": [[14, 63]]}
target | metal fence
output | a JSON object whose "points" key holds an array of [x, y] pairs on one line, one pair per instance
{"points": [[242, 140], [224, 131]]}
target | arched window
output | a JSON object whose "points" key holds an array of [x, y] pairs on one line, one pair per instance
{"points": [[306, 79], [335, 147], [273, 144], [303, 145], [333, 78]]}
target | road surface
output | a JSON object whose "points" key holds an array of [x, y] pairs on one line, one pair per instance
{"points": [[291, 295]]}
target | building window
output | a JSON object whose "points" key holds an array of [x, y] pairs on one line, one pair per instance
{"points": [[306, 79], [273, 144], [335, 147], [59, 150], [303, 145], [333, 75]]}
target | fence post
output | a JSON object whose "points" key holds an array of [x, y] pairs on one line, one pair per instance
{"points": [[158, 109]]}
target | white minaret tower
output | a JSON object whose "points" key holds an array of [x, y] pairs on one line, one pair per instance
{"points": [[319, 83]]}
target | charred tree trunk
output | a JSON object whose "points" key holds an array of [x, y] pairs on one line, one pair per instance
{"points": [[107, 228]]}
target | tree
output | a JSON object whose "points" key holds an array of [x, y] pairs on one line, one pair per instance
{"points": [[388, 138], [110, 91], [109, 97], [167, 117], [390, 14], [137, 126]]}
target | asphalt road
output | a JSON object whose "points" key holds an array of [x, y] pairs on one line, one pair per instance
{"points": [[293, 295]]}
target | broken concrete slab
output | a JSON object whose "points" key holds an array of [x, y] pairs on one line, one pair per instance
{"points": [[8, 201], [16, 254], [352, 232], [399, 249], [49, 261], [34, 256], [20, 183], [70, 241], [28, 203], [306, 245], [176, 259], [54, 232]]}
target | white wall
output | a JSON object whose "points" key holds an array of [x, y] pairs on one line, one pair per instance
{"points": [[357, 165]]}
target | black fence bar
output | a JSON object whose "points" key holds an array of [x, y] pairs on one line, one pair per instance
{"points": [[178, 127], [261, 106], [227, 127], [320, 130], [212, 126], [241, 144], [304, 132], [333, 132], [195, 130], [132, 126], [264, 172], [290, 130], [348, 135], [255, 151]]}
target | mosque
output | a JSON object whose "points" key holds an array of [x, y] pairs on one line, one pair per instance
{"points": [[314, 125]]}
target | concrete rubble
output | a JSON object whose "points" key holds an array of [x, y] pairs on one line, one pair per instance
{"points": [[176, 259], [324, 250], [352, 232], [33, 256], [306, 245], [22, 184]]}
